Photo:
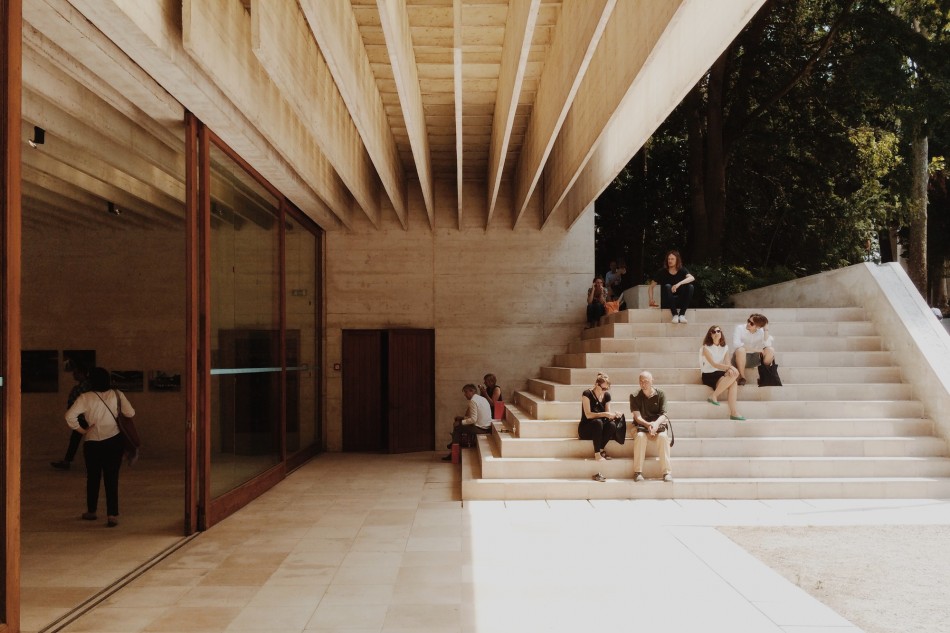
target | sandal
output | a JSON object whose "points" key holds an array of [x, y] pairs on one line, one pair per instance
{"points": [[599, 477], [605, 455]]}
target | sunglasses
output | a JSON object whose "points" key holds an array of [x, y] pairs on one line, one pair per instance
{"points": [[717, 331]]}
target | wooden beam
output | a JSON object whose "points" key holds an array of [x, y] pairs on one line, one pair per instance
{"points": [[457, 74], [286, 50], [11, 27], [519, 30], [576, 36], [265, 132], [337, 32], [394, 19], [677, 58]]}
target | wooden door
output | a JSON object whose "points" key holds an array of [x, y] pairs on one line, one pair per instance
{"points": [[363, 413], [411, 390]]}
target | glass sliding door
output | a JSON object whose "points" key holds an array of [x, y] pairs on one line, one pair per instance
{"points": [[246, 349], [301, 248]]}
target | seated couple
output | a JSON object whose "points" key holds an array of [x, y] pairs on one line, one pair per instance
{"points": [[478, 413], [720, 372]]}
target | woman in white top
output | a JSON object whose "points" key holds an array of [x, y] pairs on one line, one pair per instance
{"points": [[718, 374], [102, 449]]}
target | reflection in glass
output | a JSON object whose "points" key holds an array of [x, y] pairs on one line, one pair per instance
{"points": [[301, 259], [245, 326]]}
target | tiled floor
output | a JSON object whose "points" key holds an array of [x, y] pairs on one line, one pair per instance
{"points": [[381, 543]]}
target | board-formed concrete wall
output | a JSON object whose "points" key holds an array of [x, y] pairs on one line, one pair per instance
{"points": [[500, 300]]}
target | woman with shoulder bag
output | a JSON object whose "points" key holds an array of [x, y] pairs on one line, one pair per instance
{"points": [[103, 447], [598, 422]]}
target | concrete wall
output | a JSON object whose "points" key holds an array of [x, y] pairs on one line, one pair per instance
{"points": [[918, 340], [121, 293], [500, 300]]}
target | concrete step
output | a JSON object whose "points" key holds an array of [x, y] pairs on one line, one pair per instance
{"points": [[697, 330], [717, 467], [869, 446], [769, 405], [788, 427], [620, 393], [666, 345], [657, 360], [731, 316], [690, 375]]}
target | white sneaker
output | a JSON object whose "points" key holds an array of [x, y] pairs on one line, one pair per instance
{"points": [[675, 319], [683, 318]]}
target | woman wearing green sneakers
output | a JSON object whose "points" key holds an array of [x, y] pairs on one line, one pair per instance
{"points": [[718, 374]]}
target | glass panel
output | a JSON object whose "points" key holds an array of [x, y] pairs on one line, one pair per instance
{"points": [[302, 368], [245, 326]]}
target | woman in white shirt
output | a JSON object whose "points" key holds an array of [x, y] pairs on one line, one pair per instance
{"points": [[102, 449], [717, 373]]}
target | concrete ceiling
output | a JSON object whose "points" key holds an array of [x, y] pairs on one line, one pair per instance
{"points": [[360, 111]]}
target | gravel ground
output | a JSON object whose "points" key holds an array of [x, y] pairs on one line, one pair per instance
{"points": [[884, 579]]}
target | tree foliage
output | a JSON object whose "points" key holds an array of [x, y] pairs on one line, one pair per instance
{"points": [[794, 151]]}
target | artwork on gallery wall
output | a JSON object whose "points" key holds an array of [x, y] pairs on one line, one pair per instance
{"points": [[81, 357], [163, 381], [39, 371], [130, 381]]}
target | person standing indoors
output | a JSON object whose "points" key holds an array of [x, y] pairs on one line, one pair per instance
{"points": [[676, 287], [648, 407], [717, 373], [102, 450], [597, 420], [754, 345], [596, 302], [81, 376], [477, 418]]}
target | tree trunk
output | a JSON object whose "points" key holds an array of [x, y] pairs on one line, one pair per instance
{"points": [[715, 183], [699, 229], [917, 263]]}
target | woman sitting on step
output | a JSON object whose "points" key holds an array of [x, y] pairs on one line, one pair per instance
{"points": [[597, 420], [718, 374]]}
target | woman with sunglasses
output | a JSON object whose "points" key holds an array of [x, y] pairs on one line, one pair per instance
{"points": [[597, 420], [718, 374]]}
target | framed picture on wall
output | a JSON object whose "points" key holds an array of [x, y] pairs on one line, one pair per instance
{"points": [[163, 381], [130, 381], [39, 371], [81, 357]]}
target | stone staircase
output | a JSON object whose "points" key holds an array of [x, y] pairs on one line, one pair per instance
{"points": [[844, 425]]}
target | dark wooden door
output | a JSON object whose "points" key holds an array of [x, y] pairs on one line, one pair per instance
{"points": [[411, 401], [363, 411]]}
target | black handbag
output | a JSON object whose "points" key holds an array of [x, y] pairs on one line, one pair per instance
{"points": [[620, 435], [768, 375]]}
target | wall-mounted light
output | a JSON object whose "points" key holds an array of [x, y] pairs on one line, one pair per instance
{"points": [[39, 137], [114, 210]]}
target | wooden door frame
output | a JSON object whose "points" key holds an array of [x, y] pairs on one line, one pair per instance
{"points": [[11, 85]]}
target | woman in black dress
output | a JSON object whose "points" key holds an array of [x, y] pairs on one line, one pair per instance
{"points": [[676, 287], [597, 420]]}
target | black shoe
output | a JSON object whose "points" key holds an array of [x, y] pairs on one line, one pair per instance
{"points": [[447, 458], [62, 465], [741, 382]]}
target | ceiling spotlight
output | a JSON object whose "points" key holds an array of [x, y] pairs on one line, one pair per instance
{"points": [[39, 137], [114, 210]]}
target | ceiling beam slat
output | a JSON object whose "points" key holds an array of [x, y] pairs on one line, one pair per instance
{"points": [[284, 46], [519, 30], [336, 31], [394, 19], [577, 34], [457, 73]]}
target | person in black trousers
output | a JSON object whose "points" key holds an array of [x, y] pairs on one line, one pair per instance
{"points": [[597, 420], [81, 376]]}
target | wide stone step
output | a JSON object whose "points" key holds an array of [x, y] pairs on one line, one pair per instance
{"points": [[689, 344], [737, 447], [697, 330], [620, 393], [732, 316], [718, 467], [656, 360], [788, 427], [690, 375], [760, 409]]}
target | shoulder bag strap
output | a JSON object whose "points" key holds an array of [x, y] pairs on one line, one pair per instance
{"points": [[118, 405]]}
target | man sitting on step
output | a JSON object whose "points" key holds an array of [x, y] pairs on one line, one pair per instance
{"points": [[477, 418], [752, 344], [648, 407]]}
